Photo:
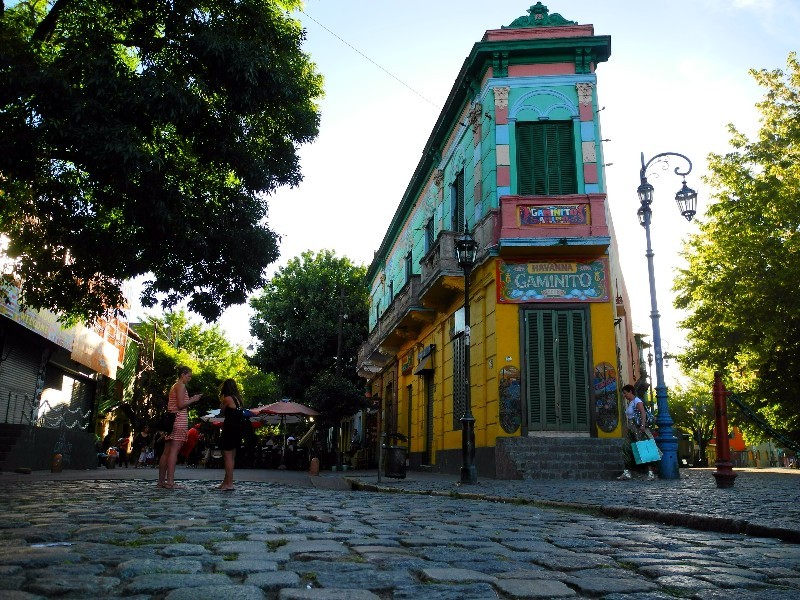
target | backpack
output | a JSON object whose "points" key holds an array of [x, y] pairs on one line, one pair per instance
{"points": [[650, 419]]}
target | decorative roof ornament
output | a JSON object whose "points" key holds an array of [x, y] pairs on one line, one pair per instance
{"points": [[539, 16]]}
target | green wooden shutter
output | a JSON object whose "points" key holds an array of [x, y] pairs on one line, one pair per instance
{"points": [[534, 374], [430, 238], [458, 203], [546, 159], [525, 159], [580, 368], [557, 370], [562, 174], [540, 368], [564, 398]]}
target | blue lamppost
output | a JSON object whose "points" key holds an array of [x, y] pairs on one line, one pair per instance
{"points": [[687, 204], [466, 250]]}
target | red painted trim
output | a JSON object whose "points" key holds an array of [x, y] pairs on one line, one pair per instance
{"points": [[503, 175], [501, 116], [542, 69], [532, 33], [590, 172]]}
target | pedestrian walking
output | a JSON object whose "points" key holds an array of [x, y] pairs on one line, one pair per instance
{"points": [[230, 406], [123, 445], [139, 445], [636, 426], [192, 436], [178, 403]]}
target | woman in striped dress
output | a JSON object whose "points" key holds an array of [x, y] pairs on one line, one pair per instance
{"points": [[179, 400]]}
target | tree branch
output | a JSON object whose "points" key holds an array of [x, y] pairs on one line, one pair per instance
{"points": [[48, 25]]}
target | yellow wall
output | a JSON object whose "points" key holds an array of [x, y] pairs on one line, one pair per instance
{"points": [[495, 344]]}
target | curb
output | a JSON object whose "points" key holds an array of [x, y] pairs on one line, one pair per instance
{"points": [[691, 521]]}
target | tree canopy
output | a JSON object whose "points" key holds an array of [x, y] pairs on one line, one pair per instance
{"points": [[740, 287], [297, 319], [173, 340], [140, 137]]}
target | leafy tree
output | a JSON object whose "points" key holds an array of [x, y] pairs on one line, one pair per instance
{"points": [[177, 341], [692, 409], [740, 285], [139, 138], [297, 320], [334, 396]]}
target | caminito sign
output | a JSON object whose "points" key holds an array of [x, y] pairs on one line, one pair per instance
{"points": [[553, 281]]}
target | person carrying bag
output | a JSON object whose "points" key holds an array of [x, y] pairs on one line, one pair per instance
{"points": [[638, 442]]}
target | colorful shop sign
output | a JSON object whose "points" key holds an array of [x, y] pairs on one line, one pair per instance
{"points": [[553, 281], [557, 214], [407, 364]]}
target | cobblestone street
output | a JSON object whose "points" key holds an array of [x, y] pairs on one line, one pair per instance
{"points": [[127, 539]]}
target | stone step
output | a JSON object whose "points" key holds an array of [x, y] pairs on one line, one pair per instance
{"points": [[566, 457]]}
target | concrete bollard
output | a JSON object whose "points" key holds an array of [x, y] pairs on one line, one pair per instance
{"points": [[313, 468]]}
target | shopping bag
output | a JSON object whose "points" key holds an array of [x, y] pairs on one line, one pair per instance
{"points": [[645, 452], [165, 422]]}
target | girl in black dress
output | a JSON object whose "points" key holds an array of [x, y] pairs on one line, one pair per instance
{"points": [[231, 408]]}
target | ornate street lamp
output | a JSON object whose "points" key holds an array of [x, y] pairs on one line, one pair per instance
{"points": [[466, 249], [687, 203]]}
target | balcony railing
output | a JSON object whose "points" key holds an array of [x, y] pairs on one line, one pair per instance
{"points": [[441, 275], [402, 320]]}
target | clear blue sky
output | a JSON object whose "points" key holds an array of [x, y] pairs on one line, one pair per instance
{"points": [[676, 77]]}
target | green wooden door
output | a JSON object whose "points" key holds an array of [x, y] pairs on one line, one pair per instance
{"points": [[557, 370]]}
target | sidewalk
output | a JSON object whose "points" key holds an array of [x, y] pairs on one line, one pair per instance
{"points": [[763, 502]]}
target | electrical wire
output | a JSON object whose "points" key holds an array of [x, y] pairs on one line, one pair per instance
{"points": [[346, 43]]}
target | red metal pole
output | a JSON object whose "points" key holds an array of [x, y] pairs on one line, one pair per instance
{"points": [[724, 474]]}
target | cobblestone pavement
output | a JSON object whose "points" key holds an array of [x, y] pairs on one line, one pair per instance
{"points": [[761, 502], [125, 538]]}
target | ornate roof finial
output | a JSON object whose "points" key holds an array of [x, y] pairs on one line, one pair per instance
{"points": [[538, 16]]}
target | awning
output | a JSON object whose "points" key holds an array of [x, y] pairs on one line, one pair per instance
{"points": [[425, 365]]}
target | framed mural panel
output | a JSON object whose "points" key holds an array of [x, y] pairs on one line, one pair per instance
{"points": [[606, 414], [553, 280]]}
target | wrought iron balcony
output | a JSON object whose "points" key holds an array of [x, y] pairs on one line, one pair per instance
{"points": [[442, 278], [403, 319]]}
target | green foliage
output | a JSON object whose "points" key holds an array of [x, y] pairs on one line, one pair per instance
{"points": [[297, 321], [740, 285], [140, 137], [176, 341], [692, 408], [334, 396]]}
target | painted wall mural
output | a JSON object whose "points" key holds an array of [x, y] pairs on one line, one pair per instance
{"points": [[606, 407], [510, 399], [553, 281]]}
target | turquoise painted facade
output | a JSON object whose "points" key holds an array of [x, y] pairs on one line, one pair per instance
{"points": [[540, 69]]}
